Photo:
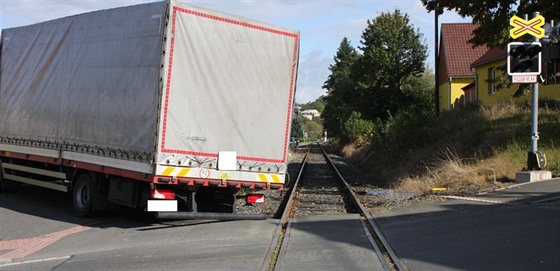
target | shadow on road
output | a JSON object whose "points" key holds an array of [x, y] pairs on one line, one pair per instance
{"points": [[523, 234], [57, 206]]}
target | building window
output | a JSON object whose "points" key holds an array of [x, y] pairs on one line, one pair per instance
{"points": [[492, 81]]}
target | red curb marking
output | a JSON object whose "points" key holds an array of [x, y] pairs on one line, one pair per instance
{"points": [[23, 247], [13, 244]]}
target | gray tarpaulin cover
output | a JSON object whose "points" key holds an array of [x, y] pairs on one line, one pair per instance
{"points": [[89, 79], [124, 79]]}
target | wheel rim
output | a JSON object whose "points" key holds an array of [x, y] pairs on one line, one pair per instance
{"points": [[82, 197]]}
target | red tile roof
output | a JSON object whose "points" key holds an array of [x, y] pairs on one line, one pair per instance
{"points": [[458, 53], [491, 55]]}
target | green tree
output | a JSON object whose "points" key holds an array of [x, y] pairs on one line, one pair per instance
{"points": [[393, 51], [340, 89], [421, 91], [301, 125], [493, 15], [318, 104], [358, 130], [296, 130], [313, 129]]}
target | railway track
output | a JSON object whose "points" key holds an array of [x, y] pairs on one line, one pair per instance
{"points": [[320, 193], [320, 190]]}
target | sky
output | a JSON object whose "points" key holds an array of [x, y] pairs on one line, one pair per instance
{"points": [[322, 24]]}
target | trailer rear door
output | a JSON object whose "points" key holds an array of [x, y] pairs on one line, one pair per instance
{"points": [[229, 87]]}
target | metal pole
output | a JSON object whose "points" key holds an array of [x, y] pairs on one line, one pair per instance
{"points": [[437, 12], [534, 112], [535, 118]]}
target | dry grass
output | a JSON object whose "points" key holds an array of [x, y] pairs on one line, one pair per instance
{"points": [[467, 151], [460, 176], [349, 150], [500, 111]]}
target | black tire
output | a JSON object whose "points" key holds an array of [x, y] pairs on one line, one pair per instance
{"points": [[83, 194]]}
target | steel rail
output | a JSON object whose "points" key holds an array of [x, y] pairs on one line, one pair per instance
{"points": [[268, 263], [278, 246], [368, 217]]}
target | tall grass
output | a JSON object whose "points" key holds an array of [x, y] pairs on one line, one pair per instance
{"points": [[462, 150]]}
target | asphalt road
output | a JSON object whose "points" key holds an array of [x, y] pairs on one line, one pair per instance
{"points": [[512, 229], [38, 231], [328, 242]]}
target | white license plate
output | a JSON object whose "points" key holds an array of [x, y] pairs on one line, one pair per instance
{"points": [[162, 205]]}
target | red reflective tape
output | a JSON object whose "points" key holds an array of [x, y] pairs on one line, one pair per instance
{"points": [[231, 21], [290, 99], [168, 81]]}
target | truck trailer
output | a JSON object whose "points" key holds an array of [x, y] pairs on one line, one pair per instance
{"points": [[166, 107]]}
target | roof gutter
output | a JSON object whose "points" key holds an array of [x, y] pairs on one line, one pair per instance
{"points": [[475, 82]]}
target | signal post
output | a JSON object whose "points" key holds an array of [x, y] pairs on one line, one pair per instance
{"points": [[524, 65]]}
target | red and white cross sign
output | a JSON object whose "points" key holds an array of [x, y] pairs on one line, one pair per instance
{"points": [[522, 27]]}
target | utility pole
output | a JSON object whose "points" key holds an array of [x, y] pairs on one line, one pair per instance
{"points": [[437, 12]]}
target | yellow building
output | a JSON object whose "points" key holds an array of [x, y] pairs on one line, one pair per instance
{"points": [[470, 74], [454, 62], [493, 83]]}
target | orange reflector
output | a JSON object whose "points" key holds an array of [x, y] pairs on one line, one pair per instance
{"points": [[255, 198], [163, 194]]}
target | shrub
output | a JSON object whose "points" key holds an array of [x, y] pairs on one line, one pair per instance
{"points": [[357, 130]]}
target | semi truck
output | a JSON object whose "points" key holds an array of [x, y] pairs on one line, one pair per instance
{"points": [[166, 107]]}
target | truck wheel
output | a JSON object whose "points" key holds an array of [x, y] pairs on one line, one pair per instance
{"points": [[83, 195]]}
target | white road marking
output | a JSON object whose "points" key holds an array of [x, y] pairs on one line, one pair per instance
{"points": [[35, 261]]}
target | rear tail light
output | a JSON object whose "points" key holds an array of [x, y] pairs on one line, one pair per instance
{"points": [[162, 194], [256, 198]]}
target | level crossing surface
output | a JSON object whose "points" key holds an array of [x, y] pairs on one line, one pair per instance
{"points": [[328, 242], [512, 229], [38, 231]]}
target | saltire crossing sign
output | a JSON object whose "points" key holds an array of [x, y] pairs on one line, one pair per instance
{"points": [[522, 27]]}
